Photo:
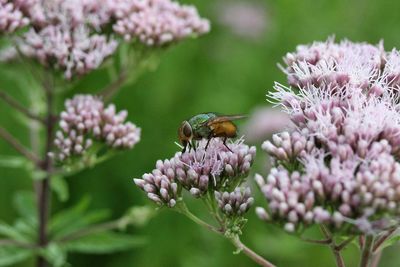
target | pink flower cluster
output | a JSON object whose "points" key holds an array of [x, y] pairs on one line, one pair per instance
{"points": [[67, 35], [74, 35], [85, 118], [199, 171], [339, 165], [157, 22], [11, 18]]}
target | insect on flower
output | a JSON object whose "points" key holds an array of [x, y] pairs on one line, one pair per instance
{"points": [[207, 125]]}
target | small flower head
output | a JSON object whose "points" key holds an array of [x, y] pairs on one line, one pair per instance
{"points": [[85, 120], [235, 203], [201, 170], [66, 35], [159, 187], [217, 167], [339, 165], [157, 22]]}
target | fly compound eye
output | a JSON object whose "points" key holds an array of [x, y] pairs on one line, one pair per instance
{"points": [[187, 129]]}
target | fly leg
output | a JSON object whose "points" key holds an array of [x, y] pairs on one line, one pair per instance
{"points": [[208, 142], [225, 138], [193, 145], [184, 147]]}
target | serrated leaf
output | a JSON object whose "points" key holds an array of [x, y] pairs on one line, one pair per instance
{"points": [[11, 255], [7, 161], [54, 254], [60, 187], [106, 242]]}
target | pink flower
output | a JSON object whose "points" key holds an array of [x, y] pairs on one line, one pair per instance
{"points": [[199, 171], [157, 22], [339, 165], [85, 120], [11, 18]]}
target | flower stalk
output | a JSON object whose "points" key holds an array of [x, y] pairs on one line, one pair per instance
{"points": [[235, 240]]}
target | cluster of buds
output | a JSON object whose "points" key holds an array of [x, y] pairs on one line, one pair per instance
{"points": [[84, 120], [234, 203], [74, 36], [11, 18], [160, 185], [157, 22], [201, 170], [339, 165], [67, 35]]}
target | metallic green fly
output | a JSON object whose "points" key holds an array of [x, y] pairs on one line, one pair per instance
{"points": [[208, 126]]}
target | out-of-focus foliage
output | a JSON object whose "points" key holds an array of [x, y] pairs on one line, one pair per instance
{"points": [[221, 72]]}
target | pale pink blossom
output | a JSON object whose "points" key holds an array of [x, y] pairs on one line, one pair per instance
{"points": [[339, 165], [216, 169], [86, 120], [11, 18]]}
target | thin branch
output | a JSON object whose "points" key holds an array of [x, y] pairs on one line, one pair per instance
{"points": [[250, 253], [383, 238], [366, 251], [344, 243], [376, 258], [44, 194], [111, 89], [185, 211], [327, 241], [19, 107], [9, 138], [181, 208], [336, 253]]}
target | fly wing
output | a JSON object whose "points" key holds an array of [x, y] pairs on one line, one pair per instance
{"points": [[224, 118]]}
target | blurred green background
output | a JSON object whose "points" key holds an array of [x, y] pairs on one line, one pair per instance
{"points": [[223, 72]]}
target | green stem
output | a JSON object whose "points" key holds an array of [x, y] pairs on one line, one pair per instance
{"points": [[182, 208], [250, 253], [336, 252], [376, 258], [378, 243], [366, 251]]}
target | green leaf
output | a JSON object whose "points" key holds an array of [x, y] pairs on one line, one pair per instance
{"points": [[60, 187], [11, 255], [7, 161], [83, 221], [24, 203], [106, 242], [26, 228], [10, 232], [75, 218], [54, 254], [68, 216]]}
